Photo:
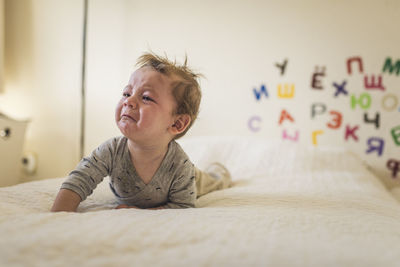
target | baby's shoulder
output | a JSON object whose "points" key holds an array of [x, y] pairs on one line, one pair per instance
{"points": [[179, 159], [178, 153], [112, 145]]}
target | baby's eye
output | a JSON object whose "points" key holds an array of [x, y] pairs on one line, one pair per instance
{"points": [[147, 98], [126, 95]]}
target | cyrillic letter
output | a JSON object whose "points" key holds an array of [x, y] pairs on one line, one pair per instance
{"points": [[340, 88], [337, 120], [364, 101], [396, 135], [376, 120], [287, 93], [251, 123], [350, 132], [263, 90], [379, 147], [285, 115], [353, 59], [372, 85], [391, 67], [321, 109], [282, 67], [314, 136], [394, 166], [392, 105], [315, 82], [286, 136]]}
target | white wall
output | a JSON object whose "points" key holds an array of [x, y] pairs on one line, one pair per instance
{"points": [[42, 67], [236, 44]]}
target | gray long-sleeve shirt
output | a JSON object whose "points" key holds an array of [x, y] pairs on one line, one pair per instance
{"points": [[172, 186]]}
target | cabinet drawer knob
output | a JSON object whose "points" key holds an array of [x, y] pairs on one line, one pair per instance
{"points": [[5, 133]]}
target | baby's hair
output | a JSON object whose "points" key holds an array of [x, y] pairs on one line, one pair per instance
{"points": [[185, 87]]}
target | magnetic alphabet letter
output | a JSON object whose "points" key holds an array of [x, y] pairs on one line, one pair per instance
{"points": [[393, 101], [351, 132], [315, 81], [282, 67], [314, 136], [254, 120], [364, 101], [292, 138], [354, 59], [287, 92], [394, 166], [317, 108], [340, 88], [336, 120], [285, 115], [378, 147], [263, 90], [388, 66], [396, 135], [375, 121], [360, 102], [371, 85]]}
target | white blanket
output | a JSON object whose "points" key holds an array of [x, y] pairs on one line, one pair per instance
{"points": [[289, 206]]}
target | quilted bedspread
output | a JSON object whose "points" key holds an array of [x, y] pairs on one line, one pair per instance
{"points": [[289, 206]]}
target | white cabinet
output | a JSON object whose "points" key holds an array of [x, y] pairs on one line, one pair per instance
{"points": [[12, 135]]}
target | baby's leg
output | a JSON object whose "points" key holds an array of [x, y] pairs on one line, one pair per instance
{"points": [[215, 177]]}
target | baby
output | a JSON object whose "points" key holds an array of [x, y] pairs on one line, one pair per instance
{"points": [[147, 168]]}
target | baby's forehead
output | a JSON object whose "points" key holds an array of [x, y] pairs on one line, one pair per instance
{"points": [[151, 77], [147, 75]]}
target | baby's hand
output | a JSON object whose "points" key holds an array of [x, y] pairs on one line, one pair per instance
{"points": [[123, 206]]}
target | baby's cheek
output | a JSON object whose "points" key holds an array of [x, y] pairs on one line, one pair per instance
{"points": [[118, 112], [118, 108]]}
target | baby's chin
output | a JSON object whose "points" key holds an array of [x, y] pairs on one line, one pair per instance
{"points": [[123, 127]]}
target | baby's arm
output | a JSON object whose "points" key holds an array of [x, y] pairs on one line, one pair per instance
{"points": [[66, 200], [182, 193], [83, 180]]}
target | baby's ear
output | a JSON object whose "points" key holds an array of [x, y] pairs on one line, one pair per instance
{"points": [[182, 121]]}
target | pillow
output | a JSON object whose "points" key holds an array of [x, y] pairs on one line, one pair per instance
{"points": [[286, 166]]}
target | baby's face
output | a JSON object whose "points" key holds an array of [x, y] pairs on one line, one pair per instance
{"points": [[145, 111]]}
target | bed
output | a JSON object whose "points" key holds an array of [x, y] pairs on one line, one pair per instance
{"points": [[290, 205]]}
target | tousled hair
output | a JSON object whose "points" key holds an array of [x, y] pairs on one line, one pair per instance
{"points": [[185, 85]]}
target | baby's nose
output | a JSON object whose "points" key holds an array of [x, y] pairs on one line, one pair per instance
{"points": [[131, 102]]}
